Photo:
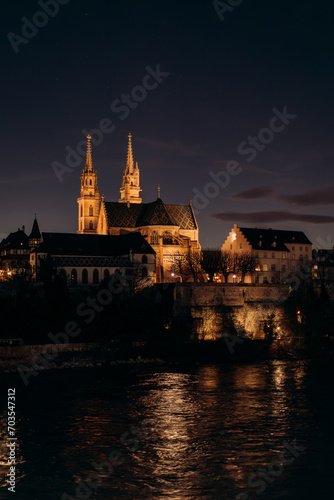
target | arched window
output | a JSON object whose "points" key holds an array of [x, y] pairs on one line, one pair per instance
{"points": [[81, 211], [74, 277], [90, 182], [265, 279], [106, 274], [154, 240], [84, 277], [91, 224], [95, 277], [273, 279], [144, 259], [167, 239], [144, 272], [91, 211], [265, 267]]}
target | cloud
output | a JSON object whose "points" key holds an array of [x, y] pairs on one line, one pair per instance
{"points": [[323, 196], [273, 216], [254, 193]]}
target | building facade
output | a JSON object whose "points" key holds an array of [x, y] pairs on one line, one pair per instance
{"points": [[279, 253], [89, 259], [171, 230]]}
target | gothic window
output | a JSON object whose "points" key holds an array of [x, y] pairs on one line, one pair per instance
{"points": [[90, 182], [154, 240], [91, 225], [84, 277], [95, 277], [91, 211], [144, 259], [74, 278], [106, 274], [167, 239]]}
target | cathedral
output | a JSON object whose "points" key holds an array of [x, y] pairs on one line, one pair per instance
{"points": [[171, 230]]}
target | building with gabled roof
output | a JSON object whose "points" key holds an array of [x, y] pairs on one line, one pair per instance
{"points": [[171, 230], [88, 259], [278, 252]]}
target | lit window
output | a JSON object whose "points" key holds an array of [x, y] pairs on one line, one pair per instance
{"points": [[91, 211], [284, 256], [154, 240], [265, 267]]}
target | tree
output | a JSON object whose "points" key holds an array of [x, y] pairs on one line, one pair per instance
{"points": [[212, 262], [188, 265], [246, 263], [226, 264]]}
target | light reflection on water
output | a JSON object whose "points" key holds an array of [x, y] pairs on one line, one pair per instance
{"points": [[215, 425]]}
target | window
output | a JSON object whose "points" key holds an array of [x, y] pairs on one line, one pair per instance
{"points": [[81, 211], [91, 211], [306, 249], [265, 279], [272, 255], [301, 249], [293, 256], [95, 277], [167, 239], [90, 182], [144, 259], [74, 278], [91, 224], [62, 275], [230, 247], [273, 279], [265, 267], [273, 267], [283, 268], [144, 272], [284, 256], [293, 248], [154, 240], [257, 254], [265, 255], [84, 277], [106, 274]]}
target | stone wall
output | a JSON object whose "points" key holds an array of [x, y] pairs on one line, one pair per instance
{"points": [[208, 310]]}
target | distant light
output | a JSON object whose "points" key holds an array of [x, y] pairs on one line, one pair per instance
{"points": [[234, 276]]}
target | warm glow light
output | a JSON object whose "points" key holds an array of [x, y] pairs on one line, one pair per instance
{"points": [[234, 236]]}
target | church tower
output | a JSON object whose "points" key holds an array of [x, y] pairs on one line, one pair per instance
{"points": [[130, 190], [89, 201]]}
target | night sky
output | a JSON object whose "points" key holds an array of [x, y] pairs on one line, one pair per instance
{"points": [[225, 77]]}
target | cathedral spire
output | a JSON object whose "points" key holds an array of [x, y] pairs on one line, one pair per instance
{"points": [[89, 163], [130, 190], [129, 162]]}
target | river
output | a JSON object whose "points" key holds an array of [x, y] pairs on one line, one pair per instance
{"points": [[175, 433]]}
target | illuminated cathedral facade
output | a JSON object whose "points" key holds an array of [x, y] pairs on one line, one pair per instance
{"points": [[171, 230]]}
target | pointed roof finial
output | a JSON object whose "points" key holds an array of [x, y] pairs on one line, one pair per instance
{"points": [[158, 190], [89, 153], [129, 162]]}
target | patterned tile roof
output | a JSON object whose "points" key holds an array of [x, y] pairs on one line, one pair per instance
{"points": [[156, 213]]}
